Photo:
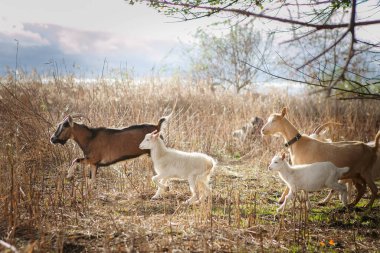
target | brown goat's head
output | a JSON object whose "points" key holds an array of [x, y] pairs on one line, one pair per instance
{"points": [[63, 132]]}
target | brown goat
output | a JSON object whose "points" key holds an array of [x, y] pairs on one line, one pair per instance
{"points": [[305, 150], [103, 146]]}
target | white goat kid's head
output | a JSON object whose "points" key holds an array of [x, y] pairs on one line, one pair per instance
{"points": [[274, 124], [277, 162], [149, 140]]}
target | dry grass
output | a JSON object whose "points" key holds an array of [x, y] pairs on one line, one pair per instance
{"points": [[40, 211]]}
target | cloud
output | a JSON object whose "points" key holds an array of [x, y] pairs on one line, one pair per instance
{"points": [[42, 43]]}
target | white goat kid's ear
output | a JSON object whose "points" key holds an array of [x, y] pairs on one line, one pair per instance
{"points": [[155, 134]]}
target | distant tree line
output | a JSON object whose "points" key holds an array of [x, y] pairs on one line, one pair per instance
{"points": [[323, 49]]}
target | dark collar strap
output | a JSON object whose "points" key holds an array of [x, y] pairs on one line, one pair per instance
{"points": [[296, 138]]}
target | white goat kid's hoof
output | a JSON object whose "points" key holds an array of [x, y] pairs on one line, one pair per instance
{"points": [[191, 201], [156, 197]]}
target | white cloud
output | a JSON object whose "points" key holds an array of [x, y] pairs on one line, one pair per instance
{"points": [[92, 29], [10, 31]]}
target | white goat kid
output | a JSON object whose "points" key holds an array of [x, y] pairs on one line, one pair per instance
{"points": [[170, 163], [309, 177]]}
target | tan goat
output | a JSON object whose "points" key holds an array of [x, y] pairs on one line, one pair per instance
{"points": [[304, 150]]}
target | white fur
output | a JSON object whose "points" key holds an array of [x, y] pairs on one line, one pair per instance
{"points": [[170, 163], [309, 177], [321, 136]]}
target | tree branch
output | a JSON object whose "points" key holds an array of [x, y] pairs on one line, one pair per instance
{"points": [[214, 9], [361, 94]]}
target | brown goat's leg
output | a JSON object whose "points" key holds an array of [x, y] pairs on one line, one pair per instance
{"points": [[93, 171], [372, 186], [360, 186], [286, 191]]}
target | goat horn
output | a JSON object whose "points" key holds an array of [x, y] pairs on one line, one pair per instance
{"points": [[78, 115], [321, 127], [173, 108]]}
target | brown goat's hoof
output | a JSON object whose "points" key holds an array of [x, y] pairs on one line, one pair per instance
{"points": [[342, 209]]}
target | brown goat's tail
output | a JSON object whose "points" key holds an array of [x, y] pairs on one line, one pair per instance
{"points": [[166, 118]]}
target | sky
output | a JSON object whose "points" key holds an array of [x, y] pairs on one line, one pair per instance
{"points": [[88, 35]]}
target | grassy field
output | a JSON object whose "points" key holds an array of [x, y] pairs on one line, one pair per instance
{"points": [[41, 211]]}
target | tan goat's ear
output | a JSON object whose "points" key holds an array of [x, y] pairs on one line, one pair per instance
{"points": [[283, 156], [283, 112]]}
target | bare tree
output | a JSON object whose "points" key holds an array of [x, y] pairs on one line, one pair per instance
{"points": [[222, 59], [304, 20]]}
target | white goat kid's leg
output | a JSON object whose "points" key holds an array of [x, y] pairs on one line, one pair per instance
{"points": [[206, 190], [327, 199], [73, 166], [71, 171], [341, 188], [160, 182], [308, 205], [283, 195], [157, 180], [160, 190], [287, 197], [193, 189], [343, 196]]}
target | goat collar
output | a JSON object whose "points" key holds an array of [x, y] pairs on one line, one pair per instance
{"points": [[296, 138]]}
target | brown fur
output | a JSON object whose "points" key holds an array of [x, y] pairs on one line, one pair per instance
{"points": [[355, 154]]}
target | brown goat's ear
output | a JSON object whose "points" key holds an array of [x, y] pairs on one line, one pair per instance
{"points": [[283, 156], [70, 120], [283, 112]]}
